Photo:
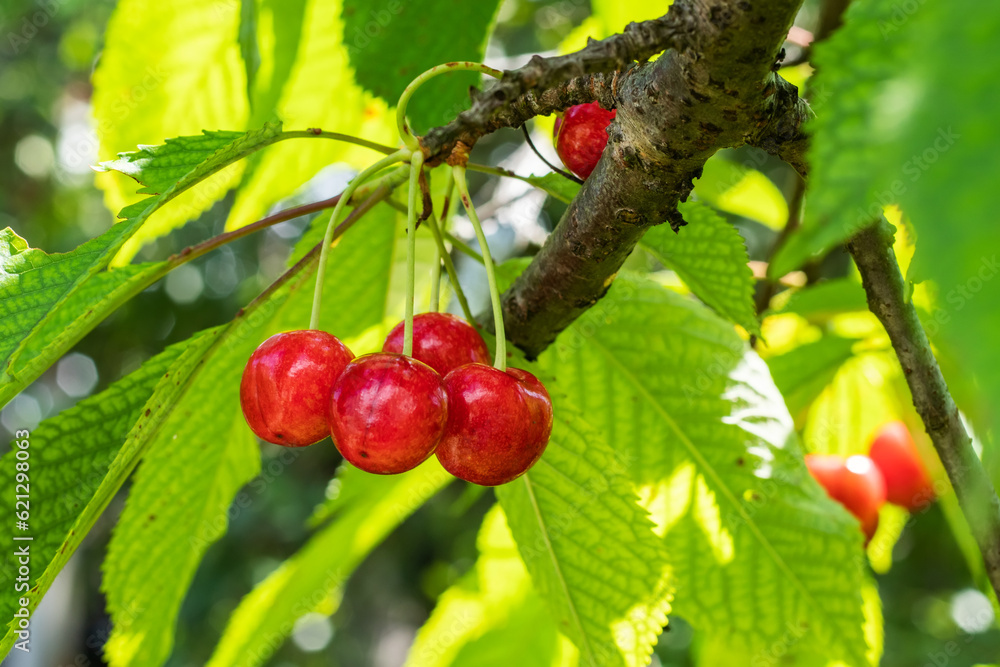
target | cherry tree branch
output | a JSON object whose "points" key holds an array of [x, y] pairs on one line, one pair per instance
{"points": [[714, 89], [883, 282], [545, 85], [783, 135]]}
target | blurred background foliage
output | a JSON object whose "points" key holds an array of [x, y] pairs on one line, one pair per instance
{"points": [[927, 577]]}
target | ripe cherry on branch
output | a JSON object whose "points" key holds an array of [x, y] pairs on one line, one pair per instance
{"points": [[442, 341], [498, 423], [855, 483], [286, 385], [387, 412], [581, 135], [906, 480]]}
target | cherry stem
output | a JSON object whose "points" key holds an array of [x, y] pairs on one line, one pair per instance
{"points": [[449, 267], [337, 136], [462, 246], [416, 165], [443, 253], [345, 196], [531, 144], [435, 302], [381, 193], [462, 66], [500, 361], [189, 253]]}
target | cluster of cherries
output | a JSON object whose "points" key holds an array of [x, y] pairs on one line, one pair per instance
{"points": [[891, 472], [387, 412]]}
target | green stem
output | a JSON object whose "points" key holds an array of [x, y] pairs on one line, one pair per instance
{"points": [[462, 246], [336, 136], [390, 181], [435, 304], [435, 300], [449, 267], [398, 156], [416, 164], [462, 66], [500, 361]]}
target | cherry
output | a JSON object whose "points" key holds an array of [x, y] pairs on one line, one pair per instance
{"points": [[581, 135], [442, 341], [906, 480], [855, 483], [387, 412], [285, 390], [498, 423]]}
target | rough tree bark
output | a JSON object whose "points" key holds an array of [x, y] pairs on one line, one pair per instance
{"points": [[713, 89]]}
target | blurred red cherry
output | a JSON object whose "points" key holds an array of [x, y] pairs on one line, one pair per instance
{"points": [[906, 480], [856, 483]]}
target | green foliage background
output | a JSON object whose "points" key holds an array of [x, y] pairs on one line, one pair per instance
{"points": [[673, 487]]}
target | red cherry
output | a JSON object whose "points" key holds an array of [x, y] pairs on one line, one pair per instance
{"points": [[285, 390], [906, 480], [498, 423], [442, 341], [581, 135], [387, 412], [855, 483]]}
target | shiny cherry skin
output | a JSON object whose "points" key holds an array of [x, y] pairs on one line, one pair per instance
{"points": [[286, 385], [498, 424], [906, 480], [442, 341], [581, 135], [856, 483], [387, 412]]}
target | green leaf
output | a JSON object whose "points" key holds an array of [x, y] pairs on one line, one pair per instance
{"points": [[249, 48], [802, 373], [277, 33], [182, 161], [948, 140], [317, 90], [860, 398], [491, 616], [390, 44], [716, 462], [852, 157], [178, 505], [177, 508], [78, 463], [33, 282], [899, 124], [711, 258], [589, 547], [742, 190], [52, 301], [820, 302], [313, 579], [167, 71]]}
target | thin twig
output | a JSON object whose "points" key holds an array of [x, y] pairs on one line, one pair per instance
{"points": [[884, 285], [561, 172]]}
